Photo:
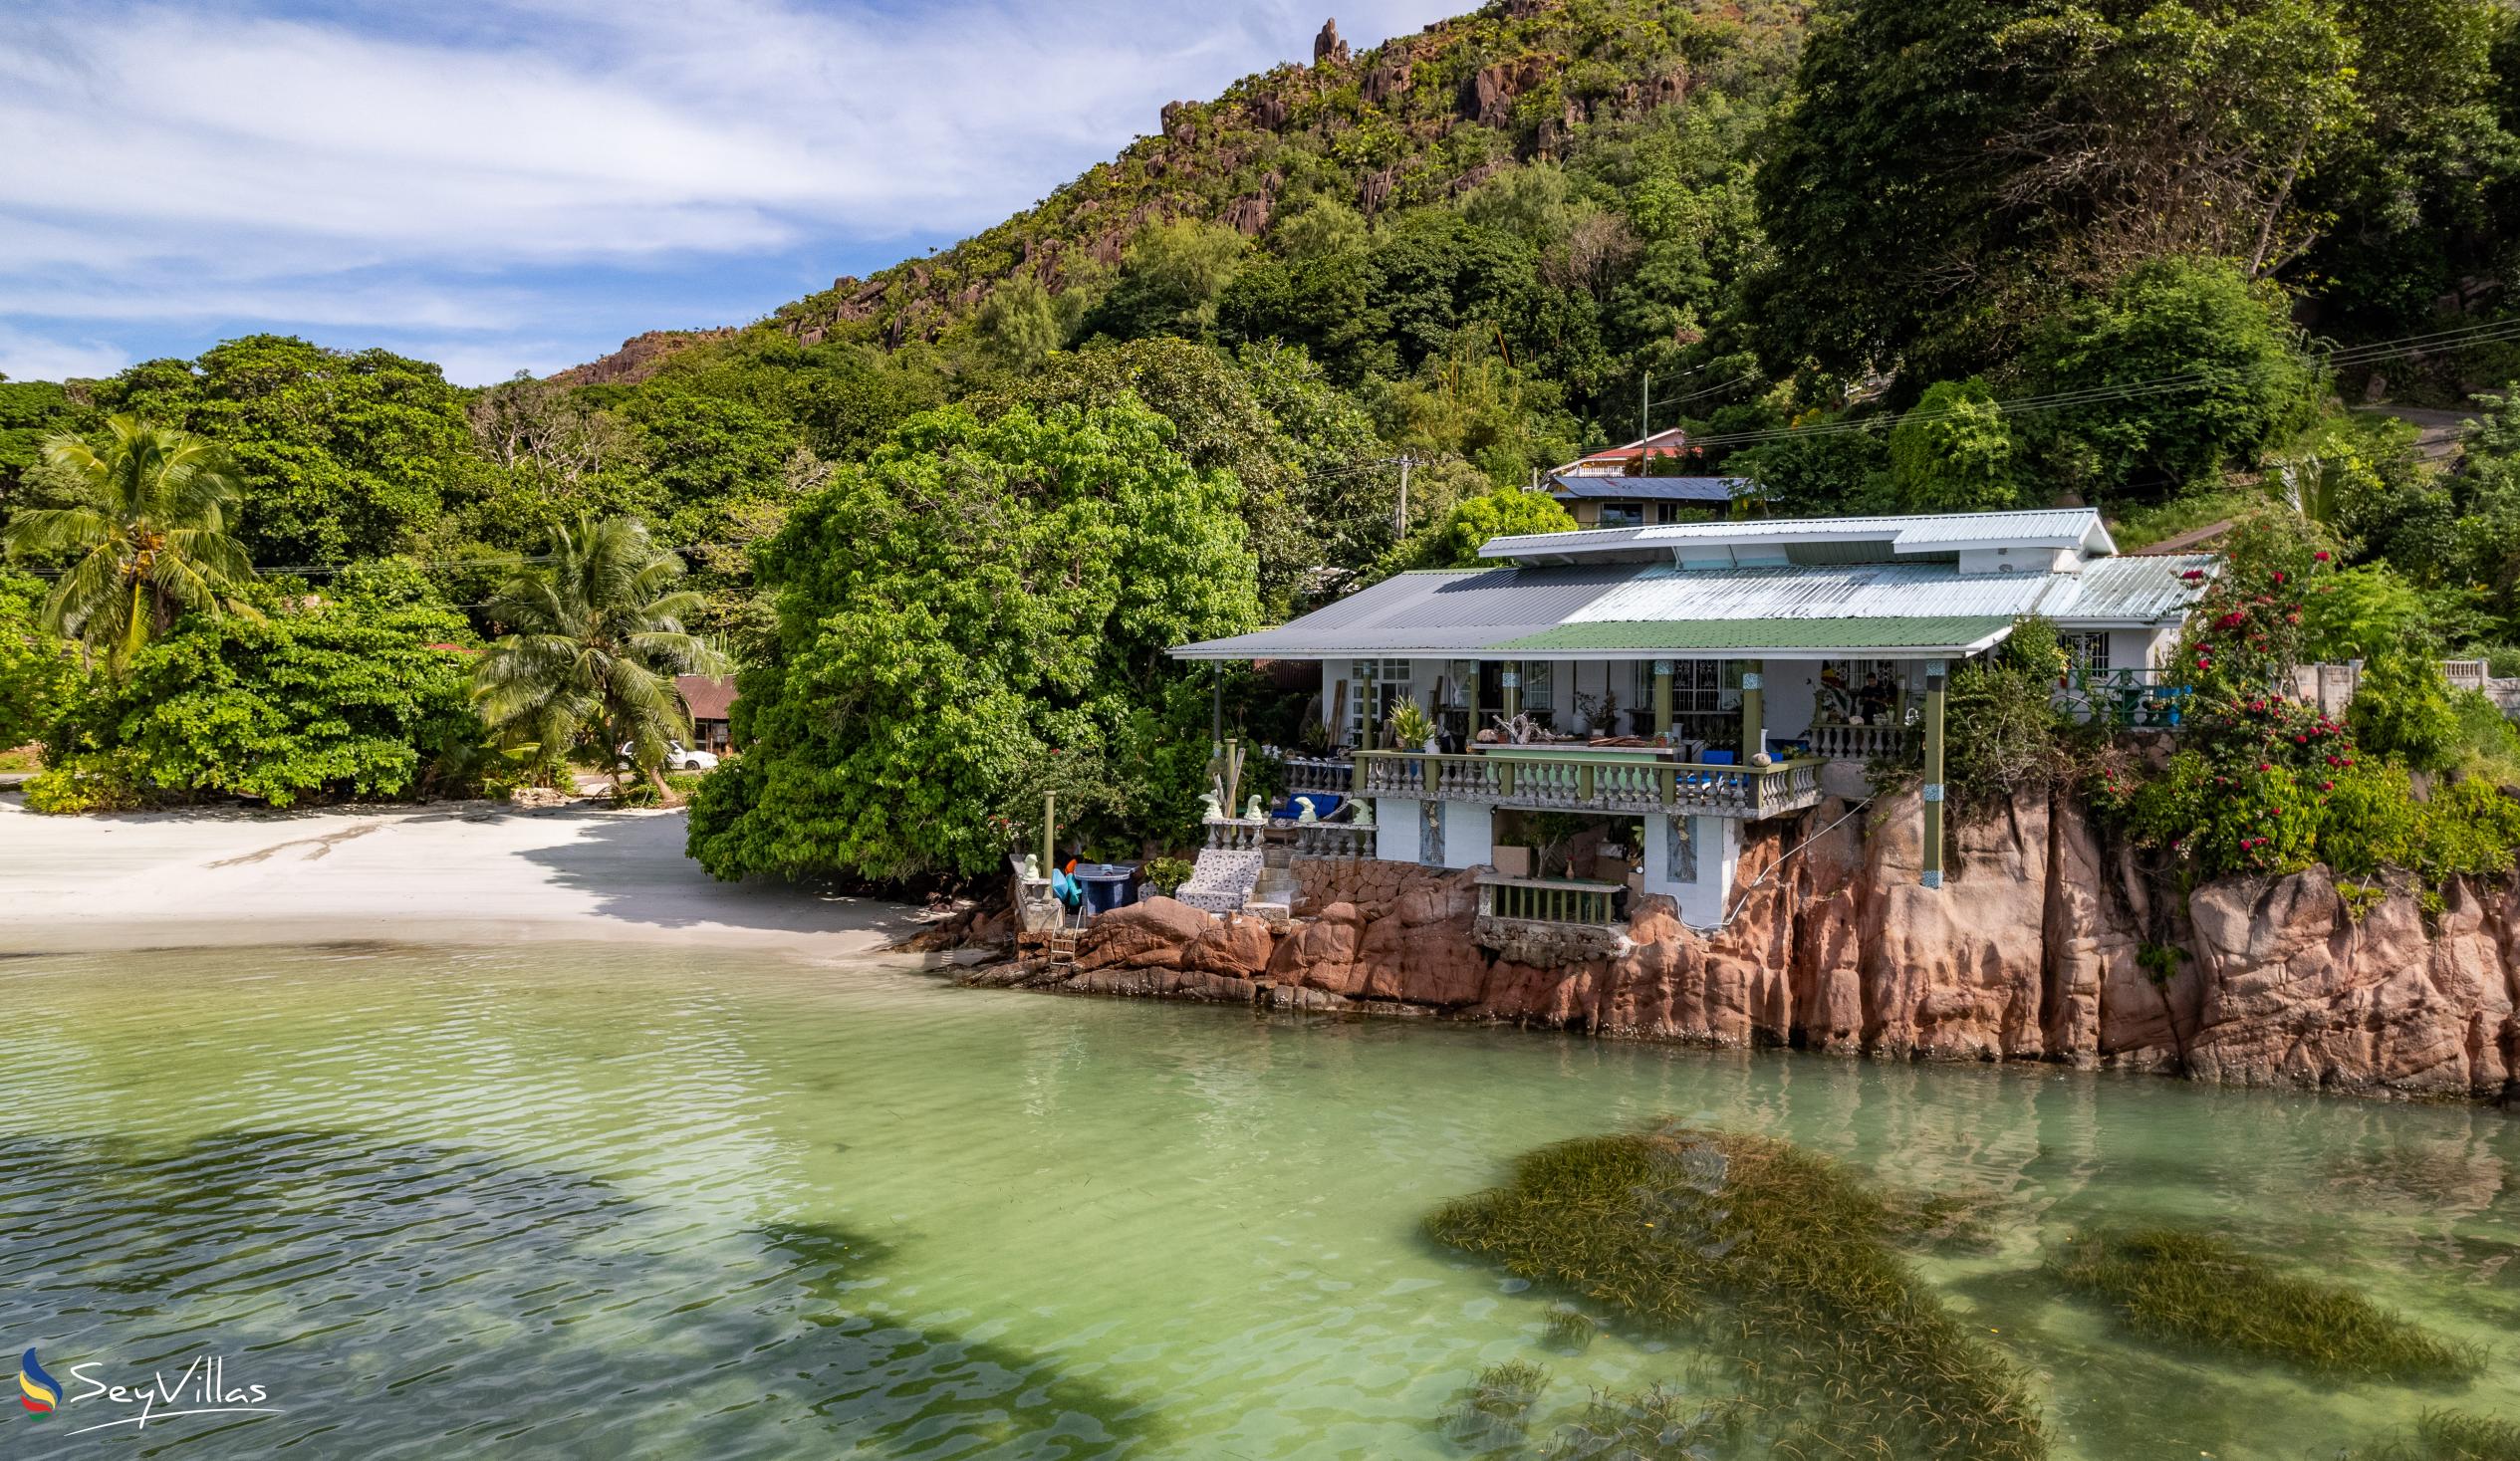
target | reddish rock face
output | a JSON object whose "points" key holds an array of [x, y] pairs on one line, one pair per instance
{"points": [[2030, 951], [1151, 932], [1239, 946]]}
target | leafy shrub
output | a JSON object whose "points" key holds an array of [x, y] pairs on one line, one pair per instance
{"points": [[90, 783], [1166, 875], [2005, 711], [2402, 710], [321, 700]]}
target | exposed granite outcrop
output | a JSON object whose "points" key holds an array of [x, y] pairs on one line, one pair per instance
{"points": [[2034, 951]]}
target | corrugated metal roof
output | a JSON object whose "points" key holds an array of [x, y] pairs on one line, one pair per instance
{"points": [[2077, 527], [2132, 589], [1858, 591], [1734, 637], [1650, 489], [1478, 611]]}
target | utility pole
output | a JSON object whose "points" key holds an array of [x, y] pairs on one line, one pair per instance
{"points": [[1645, 409], [1400, 515]]}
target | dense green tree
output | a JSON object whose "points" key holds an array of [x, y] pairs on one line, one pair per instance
{"points": [[140, 523], [310, 699], [36, 665], [341, 454], [1168, 282], [30, 411], [1220, 422], [2183, 369], [2402, 708], [594, 639], [1021, 323], [2426, 194], [1820, 467], [1879, 190], [1505, 513], [979, 611], [1953, 452], [1949, 167]]}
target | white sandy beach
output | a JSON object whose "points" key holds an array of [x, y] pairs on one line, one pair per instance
{"points": [[458, 872]]}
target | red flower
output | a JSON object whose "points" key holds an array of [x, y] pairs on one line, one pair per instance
{"points": [[2265, 766], [2320, 556]]}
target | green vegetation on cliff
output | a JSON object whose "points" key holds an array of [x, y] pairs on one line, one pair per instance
{"points": [[1959, 254]]}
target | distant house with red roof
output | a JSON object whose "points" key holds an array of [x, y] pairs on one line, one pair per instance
{"points": [[1641, 485], [711, 700]]}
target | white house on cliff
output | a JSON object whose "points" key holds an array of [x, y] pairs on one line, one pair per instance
{"points": [[1694, 677]]}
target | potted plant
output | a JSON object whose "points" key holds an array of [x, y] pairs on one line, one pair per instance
{"points": [[1413, 729]]}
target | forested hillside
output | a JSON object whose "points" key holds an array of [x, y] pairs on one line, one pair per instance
{"points": [[1924, 255]]}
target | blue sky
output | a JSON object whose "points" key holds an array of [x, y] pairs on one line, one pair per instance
{"points": [[520, 185]]}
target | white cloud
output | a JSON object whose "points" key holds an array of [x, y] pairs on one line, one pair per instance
{"points": [[31, 357], [258, 156]]}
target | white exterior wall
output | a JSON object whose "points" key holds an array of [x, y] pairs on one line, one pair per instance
{"points": [[1400, 829], [1793, 690], [1469, 834], [2140, 649]]}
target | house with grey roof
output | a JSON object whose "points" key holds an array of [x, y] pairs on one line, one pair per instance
{"points": [[1683, 680], [1640, 485]]}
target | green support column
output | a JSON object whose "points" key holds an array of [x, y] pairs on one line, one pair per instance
{"points": [[1754, 709], [1512, 681], [1662, 698], [1932, 876], [1049, 844]]}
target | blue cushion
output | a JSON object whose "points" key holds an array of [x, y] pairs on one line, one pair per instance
{"points": [[1717, 758]]}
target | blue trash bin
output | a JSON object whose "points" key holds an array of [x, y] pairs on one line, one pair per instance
{"points": [[1107, 886]]}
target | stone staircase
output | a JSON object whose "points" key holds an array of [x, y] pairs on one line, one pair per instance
{"points": [[1221, 881], [1275, 890]]}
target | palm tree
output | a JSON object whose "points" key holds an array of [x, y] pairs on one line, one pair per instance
{"points": [[595, 638], [147, 513]]}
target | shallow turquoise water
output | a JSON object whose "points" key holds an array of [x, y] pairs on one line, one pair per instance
{"points": [[599, 1203]]}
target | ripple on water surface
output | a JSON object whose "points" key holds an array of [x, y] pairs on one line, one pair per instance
{"points": [[607, 1203]]}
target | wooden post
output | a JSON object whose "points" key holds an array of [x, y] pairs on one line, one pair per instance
{"points": [[1932, 874], [1049, 844], [1662, 698], [1754, 709], [1216, 710]]}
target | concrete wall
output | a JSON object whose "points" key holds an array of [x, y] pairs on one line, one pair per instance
{"points": [[1402, 827], [1469, 831]]}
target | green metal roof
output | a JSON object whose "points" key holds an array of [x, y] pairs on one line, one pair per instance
{"points": [[1936, 632]]}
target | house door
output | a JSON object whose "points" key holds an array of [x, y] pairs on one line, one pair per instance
{"points": [[1491, 693]]}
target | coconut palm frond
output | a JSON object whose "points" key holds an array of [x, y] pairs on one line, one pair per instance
{"points": [[594, 639], [146, 513], [53, 529]]}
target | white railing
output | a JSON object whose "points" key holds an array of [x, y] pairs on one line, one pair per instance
{"points": [[1317, 774], [1861, 742], [1573, 784], [1236, 833], [1334, 840]]}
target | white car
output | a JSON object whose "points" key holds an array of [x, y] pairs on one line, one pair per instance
{"points": [[678, 757]]}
